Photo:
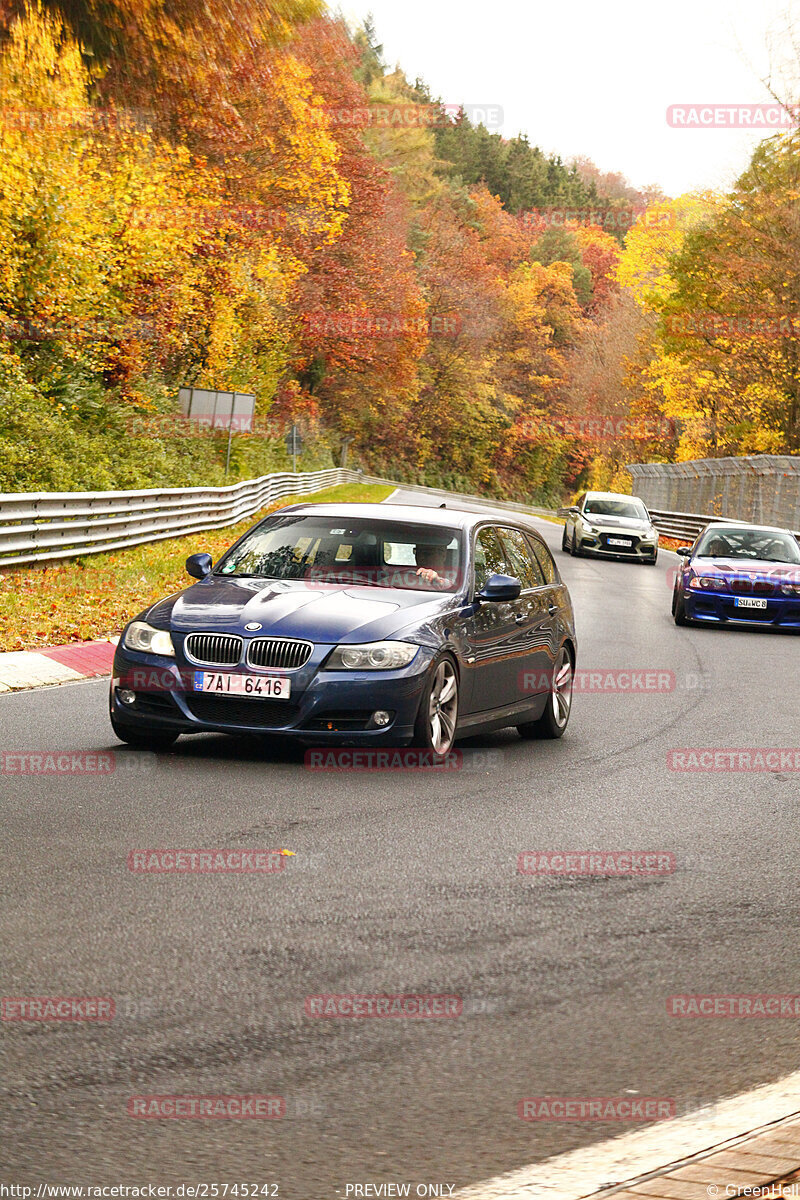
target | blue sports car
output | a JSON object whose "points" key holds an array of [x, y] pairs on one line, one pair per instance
{"points": [[741, 575], [357, 624]]}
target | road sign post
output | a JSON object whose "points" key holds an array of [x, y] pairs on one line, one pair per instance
{"points": [[294, 445], [219, 410]]}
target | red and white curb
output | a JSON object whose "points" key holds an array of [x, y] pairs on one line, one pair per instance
{"points": [[22, 669]]}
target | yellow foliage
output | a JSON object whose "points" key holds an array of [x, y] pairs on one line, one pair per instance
{"points": [[653, 241]]}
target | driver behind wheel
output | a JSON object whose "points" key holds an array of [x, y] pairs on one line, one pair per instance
{"points": [[718, 546], [431, 560]]}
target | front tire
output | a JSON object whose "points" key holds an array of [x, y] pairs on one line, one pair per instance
{"points": [[555, 718], [435, 727], [140, 739], [679, 610], [564, 545]]}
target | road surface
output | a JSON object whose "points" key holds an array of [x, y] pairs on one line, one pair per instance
{"points": [[402, 883]]}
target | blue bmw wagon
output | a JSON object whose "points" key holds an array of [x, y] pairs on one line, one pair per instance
{"points": [[356, 624]]}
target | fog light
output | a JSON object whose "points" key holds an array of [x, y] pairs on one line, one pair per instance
{"points": [[126, 696], [381, 717]]}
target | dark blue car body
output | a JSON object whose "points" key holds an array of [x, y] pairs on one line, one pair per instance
{"points": [[504, 652]]}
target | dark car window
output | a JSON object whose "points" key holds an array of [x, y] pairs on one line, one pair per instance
{"points": [[522, 562], [624, 507], [350, 550], [737, 541], [545, 560], [489, 557]]}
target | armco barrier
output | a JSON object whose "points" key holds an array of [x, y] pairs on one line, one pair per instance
{"points": [[36, 526]]}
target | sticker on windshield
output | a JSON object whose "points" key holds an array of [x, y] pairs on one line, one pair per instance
{"points": [[337, 531]]}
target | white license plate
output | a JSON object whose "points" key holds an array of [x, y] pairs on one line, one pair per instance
{"points": [[272, 686], [619, 542], [749, 602]]}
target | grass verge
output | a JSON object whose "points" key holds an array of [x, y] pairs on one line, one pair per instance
{"points": [[50, 604]]}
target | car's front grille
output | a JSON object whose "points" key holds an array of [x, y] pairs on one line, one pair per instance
{"points": [[215, 649], [285, 653], [742, 586], [230, 710]]}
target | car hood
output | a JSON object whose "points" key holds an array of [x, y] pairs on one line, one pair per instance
{"points": [[756, 567], [320, 612], [633, 524]]}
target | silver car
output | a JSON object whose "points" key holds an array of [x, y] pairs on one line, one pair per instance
{"points": [[610, 524]]}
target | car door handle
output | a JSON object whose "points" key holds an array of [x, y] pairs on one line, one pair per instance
{"points": [[519, 618], [552, 608]]}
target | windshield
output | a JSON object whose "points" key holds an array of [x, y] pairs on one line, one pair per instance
{"points": [[369, 553], [617, 508], [765, 544]]}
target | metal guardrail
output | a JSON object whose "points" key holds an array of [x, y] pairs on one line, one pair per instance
{"points": [[685, 525], [37, 526], [41, 526]]}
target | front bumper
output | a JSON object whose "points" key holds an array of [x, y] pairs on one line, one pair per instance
{"points": [[597, 544], [719, 608], [325, 707]]}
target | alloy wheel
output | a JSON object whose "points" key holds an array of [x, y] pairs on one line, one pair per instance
{"points": [[443, 707], [562, 688]]}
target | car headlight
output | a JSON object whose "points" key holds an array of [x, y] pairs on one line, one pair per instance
{"points": [[716, 583], [141, 636], [372, 656], [790, 589]]}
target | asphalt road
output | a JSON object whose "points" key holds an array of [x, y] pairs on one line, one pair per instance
{"points": [[402, 883]]}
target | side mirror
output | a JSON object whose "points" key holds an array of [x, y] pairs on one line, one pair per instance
{"points": [[199, 565], [684, 551], [573, 508], [500, 587]]}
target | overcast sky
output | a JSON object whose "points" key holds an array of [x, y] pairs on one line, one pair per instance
{"points": [[597, 78]]}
